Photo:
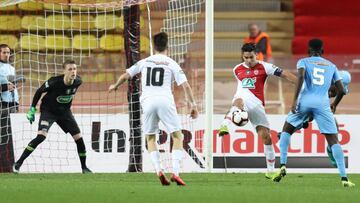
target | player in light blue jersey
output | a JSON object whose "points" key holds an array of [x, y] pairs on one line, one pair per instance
{"points": [[315, 77], [346, 79]]}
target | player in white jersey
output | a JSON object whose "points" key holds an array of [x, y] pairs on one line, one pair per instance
{"points": [[157, 101], [251, 76]]}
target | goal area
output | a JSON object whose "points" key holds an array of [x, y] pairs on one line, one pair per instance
{"points": [[104, 37]]}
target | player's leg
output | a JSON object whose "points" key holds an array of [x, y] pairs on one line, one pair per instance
{"points": [[150, 128], [153, 151], [284, 141], [68, 124], [81, 149], [269, 152], [155, 158], [258, 119], [177, 155], [168, 116], [326, 122], [304, 124], [329, 151], [338, 154], [285, 136], [177, 151], [45, 121], [236, 106]]}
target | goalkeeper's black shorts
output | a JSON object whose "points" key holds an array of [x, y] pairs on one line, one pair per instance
{"points": [[66, 121]]}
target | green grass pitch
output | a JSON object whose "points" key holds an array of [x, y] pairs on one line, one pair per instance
{"points": [[201, 187]]}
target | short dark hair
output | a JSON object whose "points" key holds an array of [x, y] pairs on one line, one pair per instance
{"points": [[315, 46], [160, 41], [4, 46], [67, 62], [248, 47]]}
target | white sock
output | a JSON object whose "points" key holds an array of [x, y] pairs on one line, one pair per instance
{"points": [[155, 158], [177, 156], [270, 157]]}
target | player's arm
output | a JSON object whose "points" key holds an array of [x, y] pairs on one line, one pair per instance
{"points": [[7, 87], [289, 76], [31, 113], [5, 84], [189, 94], [340, 92], [124, 77], [272, 69], [42, 89], [332, 91], [130, 72], [299, 83]]}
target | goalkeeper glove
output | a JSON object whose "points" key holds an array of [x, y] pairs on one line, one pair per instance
{"points": [[31, 114]]}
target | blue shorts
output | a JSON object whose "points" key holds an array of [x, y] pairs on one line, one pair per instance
{"points": [[323, 117]]}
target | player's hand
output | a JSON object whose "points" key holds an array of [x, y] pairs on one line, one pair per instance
{"points": [[333, 108], [194, 112], [11, 87], [31, 114], [112, 87]]}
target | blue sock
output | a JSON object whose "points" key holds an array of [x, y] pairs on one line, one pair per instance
{"points": [[339, 157], [284, 145]]}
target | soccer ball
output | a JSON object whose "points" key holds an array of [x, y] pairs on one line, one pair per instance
{"points": [[240, 117]]}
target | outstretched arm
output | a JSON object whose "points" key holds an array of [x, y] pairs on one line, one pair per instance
{"points": [[289, 76], [300, 81], [124, 77], [187, 89]]}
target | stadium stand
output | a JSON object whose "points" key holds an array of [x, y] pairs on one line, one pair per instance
{"points": [[57, 42], [312, 20], [58, 22], [56, 7], [8, 8], [84, 42], [108, 22], [82, 22], [11, 40], [31, 6], [112, 43], [32, 42], [33, 22], [10, 22]]}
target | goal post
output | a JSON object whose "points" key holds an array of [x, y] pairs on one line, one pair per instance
{"points": [[132, 51], [209, 81], [104, 37]]}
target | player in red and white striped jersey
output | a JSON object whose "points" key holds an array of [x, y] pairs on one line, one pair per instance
{"points": [[251, 76]]}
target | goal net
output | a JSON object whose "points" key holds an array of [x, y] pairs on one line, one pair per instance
{"points": [[104, 37]]}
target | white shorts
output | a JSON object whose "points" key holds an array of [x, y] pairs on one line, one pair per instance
{"points": [[257, 116], [256, 111], [159, 108]]}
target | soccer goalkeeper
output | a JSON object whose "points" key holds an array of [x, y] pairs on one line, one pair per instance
{"points": [[55, 107]]}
